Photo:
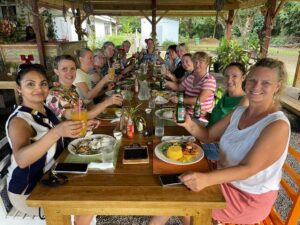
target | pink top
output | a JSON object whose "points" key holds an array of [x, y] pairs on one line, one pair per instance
{"points": [[207, 82]]}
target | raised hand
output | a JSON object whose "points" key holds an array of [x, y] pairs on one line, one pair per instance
{"points": [[115, 99], [70, 129]]}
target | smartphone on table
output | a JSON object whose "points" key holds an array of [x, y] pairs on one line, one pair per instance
{"points": [[79, 168], [170, 179]]}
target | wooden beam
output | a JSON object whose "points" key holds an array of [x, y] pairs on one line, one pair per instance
{"points": [[37, 30], [229, 22], [153, 34], [296, 82]]}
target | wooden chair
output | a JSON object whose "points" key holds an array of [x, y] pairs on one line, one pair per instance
{"points": [[8, 214], [294, 214]]}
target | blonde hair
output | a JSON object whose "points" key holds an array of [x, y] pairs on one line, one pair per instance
{"points": [[201, 55], [280, 70]]}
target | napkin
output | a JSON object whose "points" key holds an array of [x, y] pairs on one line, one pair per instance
{"points": [[101, 166], [178, 138], [115, 120]]}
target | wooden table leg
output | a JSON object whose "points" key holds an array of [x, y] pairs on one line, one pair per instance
{"points": [[203, 218], [55, 217]]}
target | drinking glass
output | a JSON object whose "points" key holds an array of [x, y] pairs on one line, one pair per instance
{"points": [[159, 127], [80, 115], [112, 72], [107, 154], [151, 103]]}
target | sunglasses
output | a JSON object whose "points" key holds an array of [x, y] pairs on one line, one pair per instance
{"points": [[26, 66]]}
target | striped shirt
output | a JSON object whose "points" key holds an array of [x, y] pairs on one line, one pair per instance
{"points": [[207, 82]]}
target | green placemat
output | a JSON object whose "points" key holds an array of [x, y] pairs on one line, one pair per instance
{"points": [[71, 158]]}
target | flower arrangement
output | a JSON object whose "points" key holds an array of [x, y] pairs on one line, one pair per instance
{"points": [[7, 30], [132, 111]]}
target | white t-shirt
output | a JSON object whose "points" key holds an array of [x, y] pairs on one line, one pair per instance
{"points": [[82, 77], [235, 144]]}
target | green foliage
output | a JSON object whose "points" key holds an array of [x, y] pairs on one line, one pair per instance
{"points": [[50, 24], [290, 19], [231, 51], [199, 26], [129, 24], [167, 43]]}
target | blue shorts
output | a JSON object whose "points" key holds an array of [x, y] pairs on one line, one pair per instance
{"points": [[211, 151]]}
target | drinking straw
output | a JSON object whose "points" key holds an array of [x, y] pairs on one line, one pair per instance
{"points": [[79, 106]]}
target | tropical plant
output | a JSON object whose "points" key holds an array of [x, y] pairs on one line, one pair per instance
{"points": [[50, 25], [132, 111], [231, 51]]}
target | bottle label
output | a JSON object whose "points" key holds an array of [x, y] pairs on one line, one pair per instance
{"points": [[197, 112], [180, 114], [130, 130]]}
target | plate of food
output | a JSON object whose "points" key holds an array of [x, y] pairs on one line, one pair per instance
{"points": [[91, 145], [164, 94], [179, 153], [165, 113], [109, 114]]}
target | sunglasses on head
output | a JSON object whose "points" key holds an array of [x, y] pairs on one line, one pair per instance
{"points": [[26, 66]]}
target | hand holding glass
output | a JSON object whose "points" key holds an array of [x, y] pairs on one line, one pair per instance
{"points": [[80, 115]]}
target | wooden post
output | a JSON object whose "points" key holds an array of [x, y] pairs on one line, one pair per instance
{"points": [[78, 24], [229, 22], [265, 34], [296, 82], [153, 22], [37, 30]]}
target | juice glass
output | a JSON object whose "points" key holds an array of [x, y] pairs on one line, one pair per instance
{"points": [[80, 115], [111, 72]]}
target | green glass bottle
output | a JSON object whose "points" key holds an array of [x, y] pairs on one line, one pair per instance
{"points": [[180, 110], [162, 83], [118, 90], [197, 108]]}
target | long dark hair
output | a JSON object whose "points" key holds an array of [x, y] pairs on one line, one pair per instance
{"points": [[26, 68]]}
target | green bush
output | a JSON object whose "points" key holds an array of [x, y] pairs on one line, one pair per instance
{"points": [[167, 43]]}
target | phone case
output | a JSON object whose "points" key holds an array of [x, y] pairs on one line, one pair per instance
{"points": [[136, 160], [78, 168]]}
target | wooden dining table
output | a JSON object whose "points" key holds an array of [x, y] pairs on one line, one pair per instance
{"points": [[129, 189]]}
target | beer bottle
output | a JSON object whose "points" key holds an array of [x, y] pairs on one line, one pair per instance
{"points": [[162, 83], [118, 90], [197, 108], [180, 110]]}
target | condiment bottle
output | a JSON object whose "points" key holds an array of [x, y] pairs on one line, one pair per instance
{"points": [[130, 128]]}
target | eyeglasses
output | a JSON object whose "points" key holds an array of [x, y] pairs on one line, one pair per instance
{"points": [[26, 66]]}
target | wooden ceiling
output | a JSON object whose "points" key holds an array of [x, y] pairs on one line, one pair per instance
{"points": [[144, 7]]}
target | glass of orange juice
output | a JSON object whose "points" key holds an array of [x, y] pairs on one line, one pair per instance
{"points": [[80, 115], [111, 72]]}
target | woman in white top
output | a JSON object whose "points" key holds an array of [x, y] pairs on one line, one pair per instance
{"points": [[83, 81], [253, 147]]}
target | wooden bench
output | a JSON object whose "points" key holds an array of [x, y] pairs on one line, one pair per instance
{"points": [[293, 217], [8, 214], [290, 100]]}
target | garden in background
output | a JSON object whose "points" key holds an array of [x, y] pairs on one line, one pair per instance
{"points": [[198, 33]]}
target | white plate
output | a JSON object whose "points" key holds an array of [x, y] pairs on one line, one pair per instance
{"points": [[158, 152], [105, 141], [159, 113]]}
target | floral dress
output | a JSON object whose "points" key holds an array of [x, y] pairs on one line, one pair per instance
{"points": [[61, 98]]}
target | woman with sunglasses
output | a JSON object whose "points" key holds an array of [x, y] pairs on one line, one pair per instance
{"points": [[63, 97], [35, 137]]}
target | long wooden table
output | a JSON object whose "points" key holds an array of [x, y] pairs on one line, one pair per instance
{"points": [[128, 190]]}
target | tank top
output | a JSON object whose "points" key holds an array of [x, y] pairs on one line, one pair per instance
{"points": [[235, 145], [23, 180]]}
